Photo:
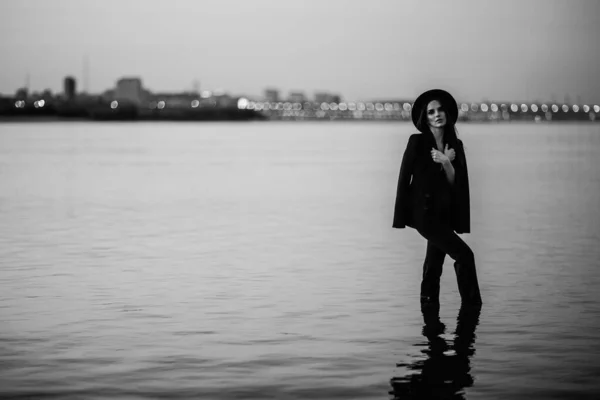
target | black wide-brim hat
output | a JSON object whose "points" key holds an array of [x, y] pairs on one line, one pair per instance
{"points": [[448, 102]]}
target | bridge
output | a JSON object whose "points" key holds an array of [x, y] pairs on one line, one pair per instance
{"points": [[400, 111]]}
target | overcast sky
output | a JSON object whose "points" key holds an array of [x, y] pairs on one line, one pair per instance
{"points": [[368, 49]]}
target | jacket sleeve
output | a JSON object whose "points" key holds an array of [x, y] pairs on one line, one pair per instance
{"points": [[462, 196], [402, 208]]}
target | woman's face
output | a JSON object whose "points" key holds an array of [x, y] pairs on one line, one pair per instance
{"points": [[436, 116]]}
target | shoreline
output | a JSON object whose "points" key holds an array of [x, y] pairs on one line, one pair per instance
{"points": [[47, 119]]}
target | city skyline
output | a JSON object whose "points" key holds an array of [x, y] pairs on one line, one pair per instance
{"points": [[536, 50], [270, 94]]}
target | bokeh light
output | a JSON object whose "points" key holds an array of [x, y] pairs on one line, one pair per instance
{"points": [[484, 107], [494, 107], [575, 108], [242, 103], [534, 108], [195, 103], [554, 108], [544, 108], [524, 107], [161, 104], [586, 108], [114, 104], [514, 107], [565, 108]]}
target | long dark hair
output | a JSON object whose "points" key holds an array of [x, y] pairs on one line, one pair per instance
{"points": [[450, 131]]}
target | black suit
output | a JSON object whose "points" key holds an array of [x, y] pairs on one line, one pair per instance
{"points": [[426, 201], [429, 199]]}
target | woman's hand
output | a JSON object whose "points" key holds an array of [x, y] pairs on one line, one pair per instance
{"points": [[449, 153], [439, 157]]}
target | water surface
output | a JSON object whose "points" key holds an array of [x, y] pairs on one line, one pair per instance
{"points": [[257, 260]]}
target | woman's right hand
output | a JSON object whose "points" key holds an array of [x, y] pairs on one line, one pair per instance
{"points": [[439, 157], [449, 153]]}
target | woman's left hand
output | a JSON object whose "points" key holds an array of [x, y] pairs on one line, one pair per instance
{"points": [[439, 157]]}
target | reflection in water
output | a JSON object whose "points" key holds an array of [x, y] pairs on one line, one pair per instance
{"points": [[446, 371]]}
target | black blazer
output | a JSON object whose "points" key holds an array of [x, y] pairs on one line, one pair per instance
{"points": [[424, 192]]}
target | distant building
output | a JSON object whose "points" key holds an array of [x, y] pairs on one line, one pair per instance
{"points": [[130, 89], [108, 95], [272, 95], [47, 94], [174, 100], [296, 97], [322, 97], [391, 100], [22, 94], [70, 87], [226, 100], [146, 95]]}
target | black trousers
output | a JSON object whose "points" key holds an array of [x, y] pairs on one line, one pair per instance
{"points": [[442, 240]]}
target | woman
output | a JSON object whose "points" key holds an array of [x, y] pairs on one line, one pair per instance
{"points": [[433, 195]]}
